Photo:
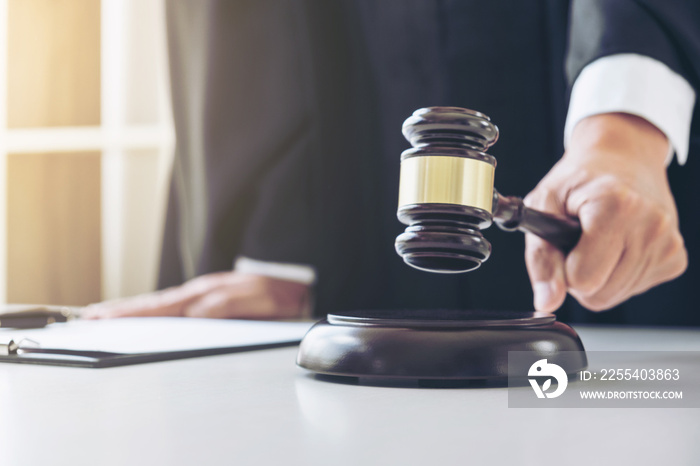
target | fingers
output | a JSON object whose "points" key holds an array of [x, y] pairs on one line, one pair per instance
{"points": [[165, 303], [630, 240], [225, 304], [219, 295], [169, 302], [675, 261], [653, 257], [596, 257], [630, 244], [252, 298], [624, 262], [545, 263], [615, 182], [545, 266], [615, 290]]}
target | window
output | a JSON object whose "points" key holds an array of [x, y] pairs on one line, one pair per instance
{"points": [[85, 148]]}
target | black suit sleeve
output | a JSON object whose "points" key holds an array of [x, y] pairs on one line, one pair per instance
{"points": [[242, 110], [666, 30]]}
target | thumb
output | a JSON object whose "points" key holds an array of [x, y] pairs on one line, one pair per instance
{"points": [[545, 266]]}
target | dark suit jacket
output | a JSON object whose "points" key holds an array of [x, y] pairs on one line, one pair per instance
{"points": [[288, 119]]}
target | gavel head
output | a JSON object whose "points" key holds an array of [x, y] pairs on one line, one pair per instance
{"points": [[446, 192]]}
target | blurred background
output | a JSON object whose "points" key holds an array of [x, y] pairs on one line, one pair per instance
{"points": [[85, 148]]}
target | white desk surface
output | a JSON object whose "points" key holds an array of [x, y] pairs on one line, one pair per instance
{"points": [[259, 408]]}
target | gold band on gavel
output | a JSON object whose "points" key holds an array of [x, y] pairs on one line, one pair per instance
{"points": [[446, 180]]}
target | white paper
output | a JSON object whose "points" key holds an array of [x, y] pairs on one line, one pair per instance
{"points": [[158, 334]]}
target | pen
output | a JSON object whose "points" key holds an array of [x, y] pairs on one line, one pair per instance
{"points": [[34, 317]]}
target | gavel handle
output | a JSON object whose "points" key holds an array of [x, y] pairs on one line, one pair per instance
{"points": [[511, 214]]}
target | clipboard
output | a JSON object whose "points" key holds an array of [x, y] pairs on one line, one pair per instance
{"points": [[127, 341]]}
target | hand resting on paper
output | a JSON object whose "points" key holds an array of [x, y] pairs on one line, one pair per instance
{"points": [[613, 179], [226, 295]]}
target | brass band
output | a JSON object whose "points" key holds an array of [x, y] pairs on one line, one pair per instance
{"points": [[446, 180]]}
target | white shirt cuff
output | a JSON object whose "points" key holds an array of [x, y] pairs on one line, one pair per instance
{"points": [[638, 85], [284, 271]]}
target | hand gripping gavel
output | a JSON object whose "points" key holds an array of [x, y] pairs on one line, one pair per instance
{"points": [[446, 194]]}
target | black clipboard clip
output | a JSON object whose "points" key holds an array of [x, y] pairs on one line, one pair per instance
{"points": [[9, 349], [13, 348], [27, 346]]}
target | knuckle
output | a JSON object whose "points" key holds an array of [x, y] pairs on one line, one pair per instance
{"points": [[665, 222], [661, 225], [670, 246], [612, 205], [675, 246], [621, 200]]}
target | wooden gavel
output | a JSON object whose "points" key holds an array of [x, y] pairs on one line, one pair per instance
{"points": [[447, 195]]}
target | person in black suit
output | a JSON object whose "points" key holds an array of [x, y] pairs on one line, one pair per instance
{"points": [[288, 120]]}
